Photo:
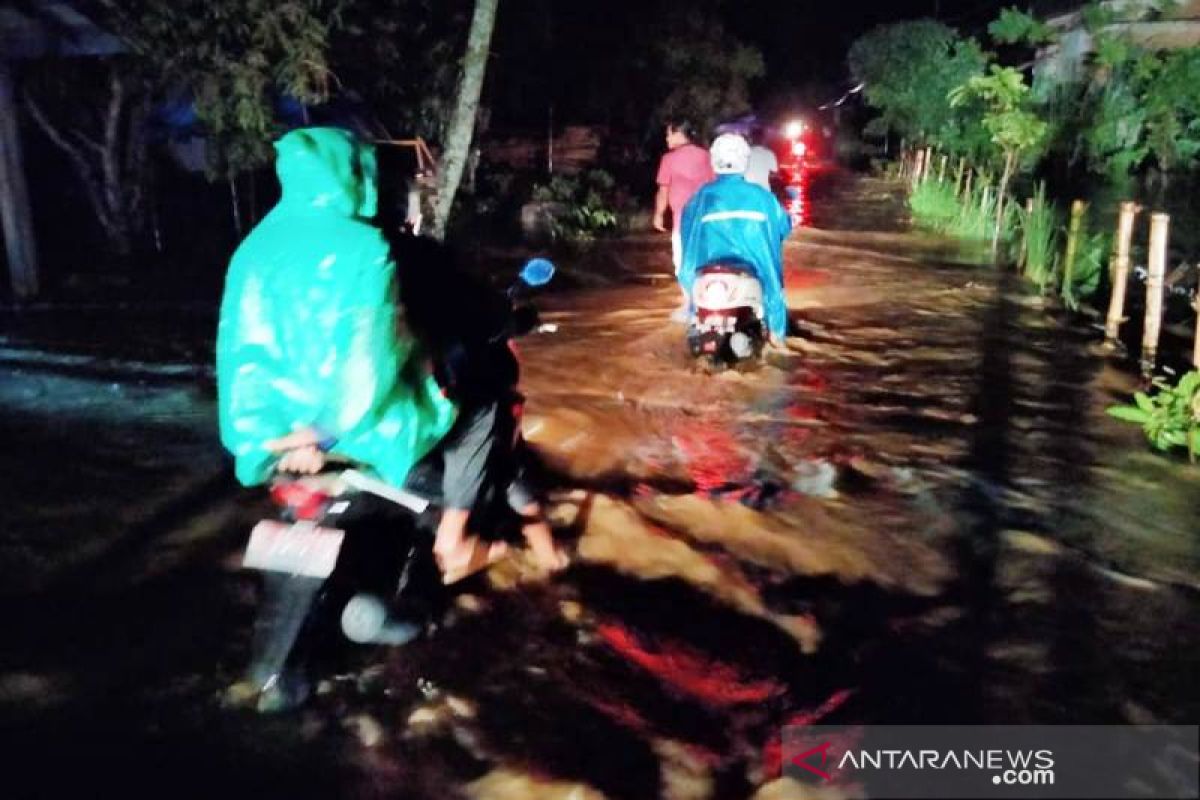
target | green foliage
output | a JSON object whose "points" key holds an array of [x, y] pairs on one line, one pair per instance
{"points": [[402, 57], [588, 200], [1114, 142], [1098, 15], [964, 134], [703, 72], [1112, 50], [977, 214], [1091, 257], [934, 205], [233, 57], [1170, 418], [1171, 91], [1040, 227], [909, 68], [1017, 27], [1015, 130], [1013, 126], [1141, 107]]}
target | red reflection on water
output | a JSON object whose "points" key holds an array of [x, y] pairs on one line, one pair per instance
{"points": [[623, 714], [628, 717], [804, 412], [714, 460], [801, 277], [796, 197], [689, 671], [773, 751]]}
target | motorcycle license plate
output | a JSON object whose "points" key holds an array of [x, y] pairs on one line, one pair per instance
{"points": [[301, 548]]}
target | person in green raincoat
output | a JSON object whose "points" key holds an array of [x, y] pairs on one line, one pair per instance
{"points": [[312, 351]]}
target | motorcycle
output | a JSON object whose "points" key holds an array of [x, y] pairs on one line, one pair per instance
{"points": [[727, 323], [349, 557]]}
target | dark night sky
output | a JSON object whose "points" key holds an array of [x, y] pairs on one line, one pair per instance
{"points": [[803, 39], [560, 48]]}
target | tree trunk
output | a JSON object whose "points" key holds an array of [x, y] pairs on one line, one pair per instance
{"points": [[111, 162], [15, 215], [462, 123], [235, 208]]}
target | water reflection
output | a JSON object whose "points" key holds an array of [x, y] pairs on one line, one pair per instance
{"points": [[795, 198], [917, 515]]}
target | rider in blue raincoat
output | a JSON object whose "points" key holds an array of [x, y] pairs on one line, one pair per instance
{"points": [[730, 217]]}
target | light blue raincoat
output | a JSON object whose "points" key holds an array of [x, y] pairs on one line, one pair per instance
{"points": [[732, 218]]}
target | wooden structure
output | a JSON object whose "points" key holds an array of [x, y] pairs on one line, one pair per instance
{"points": [[574, 149], [1160, 225], [33, 29], [1120, 270], [1174, 28], [418, 175], [426, 163]]}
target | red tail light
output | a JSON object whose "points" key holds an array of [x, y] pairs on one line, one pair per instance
{"points": [[301, 501]]}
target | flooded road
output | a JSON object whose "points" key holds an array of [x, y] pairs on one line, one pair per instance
{"points": [[918, 514]]}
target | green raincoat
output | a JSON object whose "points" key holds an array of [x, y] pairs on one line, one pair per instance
{"points": [[310, 332]]}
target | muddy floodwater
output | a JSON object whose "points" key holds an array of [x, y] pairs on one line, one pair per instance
{"points": [[919, 513]]}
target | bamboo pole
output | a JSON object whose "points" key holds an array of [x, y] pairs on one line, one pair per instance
{"points": [[1160, 225], [917, 167], [967, 185], [959, 176], [942, 169], [1120, 271], [1077, 210], [1196, 346], [928, 163]]}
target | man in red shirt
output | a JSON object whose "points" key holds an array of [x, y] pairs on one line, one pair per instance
{"points": [[684, 168]]}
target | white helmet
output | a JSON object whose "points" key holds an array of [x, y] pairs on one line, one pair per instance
{"points": [[730, 154]]}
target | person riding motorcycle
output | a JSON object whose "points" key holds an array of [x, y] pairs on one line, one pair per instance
{"points": [[731, 218], [468, 327], [312, 355]]}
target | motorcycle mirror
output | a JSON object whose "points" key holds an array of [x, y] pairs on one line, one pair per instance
{"points": [[537, 271]]}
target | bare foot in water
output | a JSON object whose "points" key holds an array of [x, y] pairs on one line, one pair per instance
{"points": [[548, 555], [474, 555], [459, 555]]}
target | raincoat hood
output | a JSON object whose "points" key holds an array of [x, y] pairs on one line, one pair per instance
{"points": [[311, 332], [327, 169]]}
